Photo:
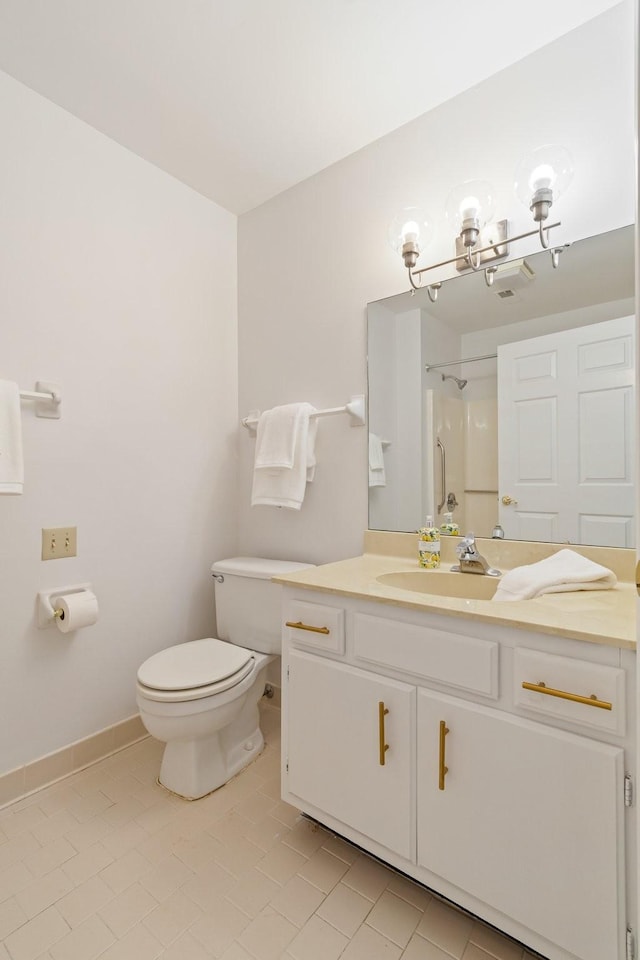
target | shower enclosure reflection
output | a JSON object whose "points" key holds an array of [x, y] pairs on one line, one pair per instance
{"points": [[460, 383]]}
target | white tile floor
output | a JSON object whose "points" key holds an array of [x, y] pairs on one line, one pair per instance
{"points": [[108, 864]]}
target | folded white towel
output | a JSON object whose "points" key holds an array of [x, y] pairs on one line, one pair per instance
{"points": [[285, 456], [277, 435], [563, 571], [11, 465], [377, 476]]}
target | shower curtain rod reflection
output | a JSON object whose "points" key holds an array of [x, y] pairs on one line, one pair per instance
{"points": [[452, 363]]}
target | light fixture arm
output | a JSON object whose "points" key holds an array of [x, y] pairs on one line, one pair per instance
{"points": [[540, 204], [474, 258], [432, 290], [414, 286], [544, 240], [465, 256]]}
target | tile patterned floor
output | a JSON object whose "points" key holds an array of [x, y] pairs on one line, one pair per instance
{"points": [[106, 864]]}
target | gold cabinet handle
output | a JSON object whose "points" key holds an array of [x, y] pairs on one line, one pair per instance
{"points": [[507, 500], [299, 625], [591, 701], [442, 769], [382, 712]]}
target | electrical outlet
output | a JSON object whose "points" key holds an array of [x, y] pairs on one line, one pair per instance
{"points": [[59, 542]]}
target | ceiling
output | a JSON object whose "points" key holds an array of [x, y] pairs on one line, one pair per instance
{"points": [[241, 99]]}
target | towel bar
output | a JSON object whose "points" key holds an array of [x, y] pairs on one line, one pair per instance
{"points": [[48, 397], [355, 409]]}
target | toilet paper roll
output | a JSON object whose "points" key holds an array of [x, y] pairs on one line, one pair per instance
{"points": [[78, 610]]}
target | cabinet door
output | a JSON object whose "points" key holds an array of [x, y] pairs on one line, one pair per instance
{"points": [[334, 757], [529, 821]]}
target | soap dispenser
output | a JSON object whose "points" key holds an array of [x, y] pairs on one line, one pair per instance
{"points": [[448, 526], [429, 545]]}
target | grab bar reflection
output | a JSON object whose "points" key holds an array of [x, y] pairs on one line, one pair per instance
{"points": [[443, 473]]}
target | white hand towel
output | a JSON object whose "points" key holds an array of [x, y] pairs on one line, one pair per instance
{"points": [[285, 456], [276, 438], [377, 476], [11, 465], [563, 571]]}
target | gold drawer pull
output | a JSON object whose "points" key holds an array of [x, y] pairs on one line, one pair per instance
{"points": [[382, 712], [442, 769], [305, 626], [591, 701]]}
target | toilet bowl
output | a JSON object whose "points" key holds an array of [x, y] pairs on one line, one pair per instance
{"points": [[201, 697], [205, 708]]}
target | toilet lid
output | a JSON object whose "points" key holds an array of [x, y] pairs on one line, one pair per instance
{"points": [[193, 664]]}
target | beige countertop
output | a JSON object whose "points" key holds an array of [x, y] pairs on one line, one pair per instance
{"points": [[597, 616]]}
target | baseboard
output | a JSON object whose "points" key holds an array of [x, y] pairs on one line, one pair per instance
{"points": [[19, 783], [25, 780]]}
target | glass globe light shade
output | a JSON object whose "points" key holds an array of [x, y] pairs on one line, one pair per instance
{"points": [[472, 200], [546, 172], [411, 225]]}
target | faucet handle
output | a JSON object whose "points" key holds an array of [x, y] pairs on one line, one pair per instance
{"points": [[466, 546]]}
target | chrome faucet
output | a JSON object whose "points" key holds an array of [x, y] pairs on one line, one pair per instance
{"points": [[471, 560]]}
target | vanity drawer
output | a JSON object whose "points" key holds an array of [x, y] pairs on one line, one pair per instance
{"points": [[560, 684], [315, 625], [458, 661]]}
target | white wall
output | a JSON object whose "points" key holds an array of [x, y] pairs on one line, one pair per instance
{"points": [[311, 259], [120, 283]]}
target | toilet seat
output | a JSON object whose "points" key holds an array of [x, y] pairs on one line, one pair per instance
{"points": [[193, 670]]}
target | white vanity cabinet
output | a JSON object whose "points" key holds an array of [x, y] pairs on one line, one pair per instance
{"points": [[412, 734], [526, 817], [342, 719]]}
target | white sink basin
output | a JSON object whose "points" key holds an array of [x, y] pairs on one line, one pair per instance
{"points": [[442, 583]]}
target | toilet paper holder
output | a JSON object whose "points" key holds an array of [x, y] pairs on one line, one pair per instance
{"points": [[47, 612]]}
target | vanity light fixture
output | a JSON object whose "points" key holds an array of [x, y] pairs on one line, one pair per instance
{"points": [[541, 177], [409, 232], [469, 208]]}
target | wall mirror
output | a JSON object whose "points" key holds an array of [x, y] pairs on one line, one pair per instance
{"points": [[511, 404]]}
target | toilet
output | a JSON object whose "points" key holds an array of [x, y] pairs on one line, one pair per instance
{"points": [[201, 697]]}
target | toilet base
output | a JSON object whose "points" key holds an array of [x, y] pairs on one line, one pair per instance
{"points": [[214, 745], [193, 770], [207, 740]]}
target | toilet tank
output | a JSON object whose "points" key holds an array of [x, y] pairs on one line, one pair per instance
{"points": [[248, 604]]}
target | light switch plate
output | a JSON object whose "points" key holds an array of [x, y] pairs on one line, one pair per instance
{"points": [[58, 542]]}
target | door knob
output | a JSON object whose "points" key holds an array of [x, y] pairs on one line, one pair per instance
{"points": [[507, 500]]}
